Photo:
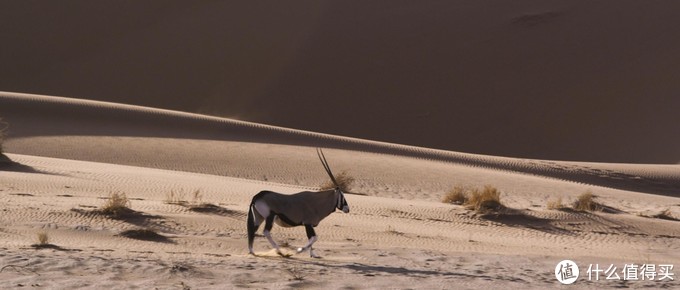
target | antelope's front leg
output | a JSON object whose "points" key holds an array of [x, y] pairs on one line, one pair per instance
{"points": [[311, 235]]}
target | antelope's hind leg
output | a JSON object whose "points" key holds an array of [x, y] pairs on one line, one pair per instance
{"points": [[254, 221], [311, 235], [268, 224]]}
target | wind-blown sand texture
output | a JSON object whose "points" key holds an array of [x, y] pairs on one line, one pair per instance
{"points": [[72, 154]]}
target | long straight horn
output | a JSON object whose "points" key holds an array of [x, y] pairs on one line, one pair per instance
{"points": [[324, 162]]}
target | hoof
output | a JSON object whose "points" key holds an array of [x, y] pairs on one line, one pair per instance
{"points": [[300, 250]]}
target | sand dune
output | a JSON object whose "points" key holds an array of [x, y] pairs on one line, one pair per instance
{"points": [[194, 143], [72, 154], [566, 80]]}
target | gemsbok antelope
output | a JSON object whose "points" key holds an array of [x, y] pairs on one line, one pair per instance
{"points": [[306, 208]]}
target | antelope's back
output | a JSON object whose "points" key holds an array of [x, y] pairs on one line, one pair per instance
{"points": [[307, 207]]}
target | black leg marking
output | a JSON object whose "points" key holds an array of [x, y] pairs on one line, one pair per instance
{"points": [[310, 231], [269, 223]]}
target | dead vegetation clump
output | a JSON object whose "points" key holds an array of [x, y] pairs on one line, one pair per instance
{"points": [[457, 195], [556, 204], [175, 198], [196, 204], [116, 206], [485, 200], [44, 242], [344, 179], [43, 238], [482, 200], [586, 202]]}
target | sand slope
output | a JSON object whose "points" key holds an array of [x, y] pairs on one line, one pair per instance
{"points": [[556, 79], [74, 153], [53, 126]]}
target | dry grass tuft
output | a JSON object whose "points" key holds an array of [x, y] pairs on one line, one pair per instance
{"points": [[43, 238], [586, 202], [116, 206], [344, 179], [556, 204], [175, 198], [197, 198], [485, 200], [457, 195], [44, 242]]}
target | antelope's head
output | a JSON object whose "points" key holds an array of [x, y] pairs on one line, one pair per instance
{"points": [[341, 202]]}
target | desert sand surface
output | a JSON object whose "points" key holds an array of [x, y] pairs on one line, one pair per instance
{"points": [[572, 80], [70, 155]]}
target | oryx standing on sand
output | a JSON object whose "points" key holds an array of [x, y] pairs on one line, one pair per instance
{"points": [[306, 208]]}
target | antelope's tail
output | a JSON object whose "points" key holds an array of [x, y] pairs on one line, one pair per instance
{"points": [[251, 228]]}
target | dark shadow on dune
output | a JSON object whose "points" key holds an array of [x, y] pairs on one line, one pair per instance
{"points": [[663, 215], [18, 167], [53, 247], [146, 235], [130, 216], [517, 218], [374, 270], [214, 209], [609, 209]]}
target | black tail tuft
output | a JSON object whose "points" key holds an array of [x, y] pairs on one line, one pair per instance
{"points": [[251, 228]]}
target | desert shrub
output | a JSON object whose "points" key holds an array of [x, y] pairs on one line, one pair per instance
{"points": [[556, 204], [117, 205], [43, 238], [344, 179], [586, 202], [44, 242], [487, 199], [457, 195]]}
